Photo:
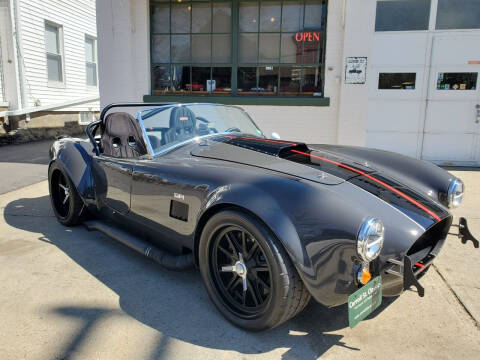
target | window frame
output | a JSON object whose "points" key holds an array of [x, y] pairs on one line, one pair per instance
{"points": [[60, 55], [235, 64], [95, 59]]}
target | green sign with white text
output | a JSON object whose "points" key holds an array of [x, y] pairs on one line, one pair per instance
{"points": [[364, 301]]}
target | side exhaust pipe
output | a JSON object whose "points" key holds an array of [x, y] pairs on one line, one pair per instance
{"points": [[163, 258]]}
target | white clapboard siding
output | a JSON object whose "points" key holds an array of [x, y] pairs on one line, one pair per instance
{"points": [[78, 20], [1, 90], [2, 98]]}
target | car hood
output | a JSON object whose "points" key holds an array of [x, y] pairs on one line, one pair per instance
{"points": [[412, 186]]}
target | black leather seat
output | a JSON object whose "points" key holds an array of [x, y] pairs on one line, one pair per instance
{"points": [[182, 125], [122, 136]]}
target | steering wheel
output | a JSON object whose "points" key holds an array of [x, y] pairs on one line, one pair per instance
{"points": [[233, 129]]}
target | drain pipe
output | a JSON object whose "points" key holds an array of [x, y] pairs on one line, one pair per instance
{"points": [[14, 10]]}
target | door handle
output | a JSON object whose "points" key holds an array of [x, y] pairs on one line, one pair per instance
{"points": [[478, 113]]}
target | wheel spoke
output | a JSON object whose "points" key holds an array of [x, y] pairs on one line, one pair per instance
{"points": [[63, 187], [259, 268], [244, 243], [244, 283], [233, 243], [252, 251], [259, 280], [254, 293], [227, 253], [66, 199], [233, 282]]}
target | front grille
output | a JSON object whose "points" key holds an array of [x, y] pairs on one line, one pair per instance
{"points": [[429, 240]]}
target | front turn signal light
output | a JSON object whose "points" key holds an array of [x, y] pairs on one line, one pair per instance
{"points": [[364, 275]]}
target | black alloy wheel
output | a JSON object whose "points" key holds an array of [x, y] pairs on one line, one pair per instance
{"points": [[241, 271], [66, 203], [247, 273]]}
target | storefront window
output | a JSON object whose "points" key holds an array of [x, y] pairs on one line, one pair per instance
{"points": [[279, 47]]}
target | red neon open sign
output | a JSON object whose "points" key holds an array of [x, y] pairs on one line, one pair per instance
{"points": [[307, 36]]}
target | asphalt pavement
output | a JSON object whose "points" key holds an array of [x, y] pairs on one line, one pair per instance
{"points": [[23, 164], [67, 293]]}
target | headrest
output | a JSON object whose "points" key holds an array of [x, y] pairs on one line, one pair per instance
{"points": [[182, 117], [120, 124]]}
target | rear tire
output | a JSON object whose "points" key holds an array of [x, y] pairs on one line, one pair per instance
{"points": [[66, 203], [233, 241]]}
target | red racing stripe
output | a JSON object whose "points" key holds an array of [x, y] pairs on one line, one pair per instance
{"points": [[396, 191]]}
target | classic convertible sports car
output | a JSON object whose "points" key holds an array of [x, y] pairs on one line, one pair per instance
{"points": [[270, 223]]}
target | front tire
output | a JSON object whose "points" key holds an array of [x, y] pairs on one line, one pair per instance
{"points": [[247, 273], [66, 203]]}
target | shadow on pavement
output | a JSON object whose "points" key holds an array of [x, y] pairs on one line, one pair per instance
{"points": [[172, 303]]}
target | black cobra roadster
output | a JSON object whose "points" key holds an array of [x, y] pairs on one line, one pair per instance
{"points": [[270, 223]]}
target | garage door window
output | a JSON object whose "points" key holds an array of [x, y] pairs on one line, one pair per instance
{"points": [[457, 81], [458, 14], [397, 81], [402, 15]]}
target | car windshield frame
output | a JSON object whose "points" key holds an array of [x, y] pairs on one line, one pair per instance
{"points": [[157, 109]]}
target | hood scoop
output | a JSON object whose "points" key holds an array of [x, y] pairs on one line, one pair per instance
{"points": [[264, 153]]}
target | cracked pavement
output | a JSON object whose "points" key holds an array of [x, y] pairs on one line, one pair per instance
{"points": [[69, 293]]}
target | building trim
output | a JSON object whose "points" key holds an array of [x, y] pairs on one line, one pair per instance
{"points": [[241, 100]]}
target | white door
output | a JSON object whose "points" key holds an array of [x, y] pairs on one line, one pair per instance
{"points": [[451, 129]]}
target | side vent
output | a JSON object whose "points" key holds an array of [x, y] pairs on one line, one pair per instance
{"points": [[178, 210]]}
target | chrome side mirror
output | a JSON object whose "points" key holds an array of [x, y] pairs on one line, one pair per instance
{"points": [[275, 136]]}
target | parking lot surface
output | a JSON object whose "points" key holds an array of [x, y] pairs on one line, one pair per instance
{"points": [[69, 293]]}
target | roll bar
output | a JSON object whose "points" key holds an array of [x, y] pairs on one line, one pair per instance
{"points": [[92, 127]]}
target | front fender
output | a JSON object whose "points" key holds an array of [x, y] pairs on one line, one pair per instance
{"points": [[268, 208]]}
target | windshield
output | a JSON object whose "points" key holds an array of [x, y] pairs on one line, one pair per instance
{"points": [[174, 124]]}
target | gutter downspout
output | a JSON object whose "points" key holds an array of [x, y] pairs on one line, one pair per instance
{"points": [[2, 77], [21, 96]]}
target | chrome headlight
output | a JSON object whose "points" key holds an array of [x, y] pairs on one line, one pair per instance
{"points": [[455, 193], [370, 239]]}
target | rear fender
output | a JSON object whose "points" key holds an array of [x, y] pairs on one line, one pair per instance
{"points": [[74, 158]]}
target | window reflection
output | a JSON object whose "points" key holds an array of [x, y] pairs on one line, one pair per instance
{"points": [[458, 14], [402, 15], [221, 84], [267, 80], [312, 82], [270, 16], [247, 79], [290, 77], [200, 75], [201, 17], [180, 79], [161, 79]]}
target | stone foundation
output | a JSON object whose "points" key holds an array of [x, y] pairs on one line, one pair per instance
{"points": [[42, 126]]}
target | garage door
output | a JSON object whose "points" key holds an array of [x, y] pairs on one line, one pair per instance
{"points": [[452, 121]]}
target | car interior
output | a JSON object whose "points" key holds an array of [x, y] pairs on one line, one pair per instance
{"points": [[121, 135]]}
